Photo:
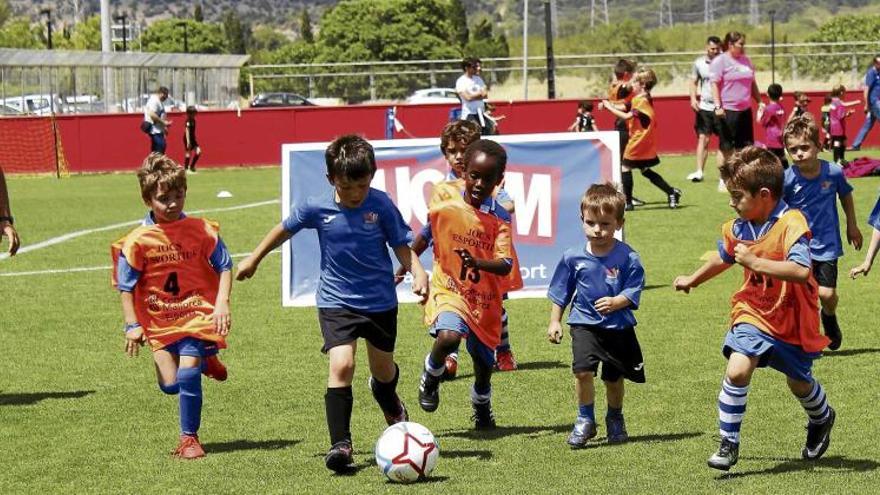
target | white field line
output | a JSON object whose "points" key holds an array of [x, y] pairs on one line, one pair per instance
{"points": [[91, 268], [79, 233]]}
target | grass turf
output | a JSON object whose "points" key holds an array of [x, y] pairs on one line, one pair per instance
{"points": [[77, 416]]}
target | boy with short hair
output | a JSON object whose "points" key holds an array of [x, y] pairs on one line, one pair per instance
{"points": [[774, 316], [641, 146], [356, 296], [772, 118], [603, 281], [584, 121], [812, 186], [474, 265], [174, 278]]}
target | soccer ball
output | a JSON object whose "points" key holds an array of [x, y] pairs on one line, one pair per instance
{"points": [[406, 452]]}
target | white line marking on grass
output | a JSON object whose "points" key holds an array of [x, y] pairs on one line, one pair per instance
{"points": [[91, 268], [79, 233]]}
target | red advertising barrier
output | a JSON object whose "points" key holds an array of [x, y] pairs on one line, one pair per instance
{"points": [[109, 142]]}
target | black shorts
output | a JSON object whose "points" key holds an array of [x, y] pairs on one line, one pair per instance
{"points": [[641, 164], [706, 123], [617, 350], [736, 130], [825, 273], [622, 133], [341, 326], [780, 153]]}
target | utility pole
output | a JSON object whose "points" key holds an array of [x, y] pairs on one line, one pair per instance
{"points": [[708, 11], [548, 39], [754, 15], [592, 13], [605, 4], [123, 18], [48, 14], [185, 36], [666, 13], [773, 46], [525, 63]]}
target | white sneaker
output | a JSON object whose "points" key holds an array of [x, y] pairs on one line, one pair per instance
{"points": [[695, 176], [721, 186]]}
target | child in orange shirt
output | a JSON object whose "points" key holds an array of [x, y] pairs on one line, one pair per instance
{"points": [[775, 315]]}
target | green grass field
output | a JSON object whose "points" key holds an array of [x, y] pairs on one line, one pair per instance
{"points": [[77, 416]]}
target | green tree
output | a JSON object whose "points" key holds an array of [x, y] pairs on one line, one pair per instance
{"points": [[265, 38], [305, 27], [19, 33], [167, 36], [237, 33], [840, 28], [86, 35], [198, 16], [379, 30], [458, 20], [484, 44], [5, 11]]}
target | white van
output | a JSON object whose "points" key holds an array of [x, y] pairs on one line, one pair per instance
{"points": [[36, 104]]}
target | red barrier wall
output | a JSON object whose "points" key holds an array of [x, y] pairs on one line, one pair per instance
{"points": [[254, 136]]}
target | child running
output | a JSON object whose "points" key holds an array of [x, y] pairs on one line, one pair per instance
{"points": [[584, 121], [641, 148], [192, 151], [838, 112], [173, 275], [474, 265], [356, 295], [813, 186], [603, 282], [774, 318]]}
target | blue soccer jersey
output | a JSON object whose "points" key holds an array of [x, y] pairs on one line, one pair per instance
{"points": [[874, 218], [750, 231], [817, 199], [356, 269], [581, 278]]}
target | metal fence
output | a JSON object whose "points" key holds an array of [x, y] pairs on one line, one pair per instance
{"points": [[844, 62], [40, 82]]}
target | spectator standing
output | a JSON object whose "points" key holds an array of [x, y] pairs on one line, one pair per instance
{"points": [[473, 90], [703, 104], [154, 115], [872, 101]]}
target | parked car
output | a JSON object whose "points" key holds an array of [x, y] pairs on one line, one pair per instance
{"points": [[136, 105], [36, 104], [434, 95], [280, 100], [7, 110]]}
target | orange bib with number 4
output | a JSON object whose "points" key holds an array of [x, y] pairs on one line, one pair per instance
{"points": [[175, 294]]}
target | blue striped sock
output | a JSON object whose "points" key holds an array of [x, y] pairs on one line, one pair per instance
{"points": [[481, 396], [433, 368], [587, 411], [505, 336], [816, 404], [731, 408]]}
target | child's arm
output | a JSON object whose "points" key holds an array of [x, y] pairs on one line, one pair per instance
{"points": [[496, 267], [710, 269], [419, 244], [851, 103], [853, 234], [593, 126], [248, 266], [134, 333], [616, 111], [873, 247], [222, 318], [574, 126], [409, 261], [788, 271], [756, 95], [554, 329]]}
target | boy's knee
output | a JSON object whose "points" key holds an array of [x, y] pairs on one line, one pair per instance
{"points": [[448, 338], [799, 388], [172, 389], [827, 294], [584, 376], [342, 368]]}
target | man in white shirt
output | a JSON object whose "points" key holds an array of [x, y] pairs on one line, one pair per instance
{"points": [[705, 123], [472, 90], [154, 116]]}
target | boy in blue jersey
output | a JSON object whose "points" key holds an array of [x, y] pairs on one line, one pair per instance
{"points": [[813, 186], [873, 246], [603, 282], [454, 140], [356, 296]]}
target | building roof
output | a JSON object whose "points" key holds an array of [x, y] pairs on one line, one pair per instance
{"points": [[10, 57]]}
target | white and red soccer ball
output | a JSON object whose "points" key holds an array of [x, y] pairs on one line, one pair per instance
{"points": [[406, 452]]}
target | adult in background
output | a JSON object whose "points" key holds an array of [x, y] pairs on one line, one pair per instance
{"points": [[6, 220], [872, 102], [154, 117], [473, 90], [703, 104], [732, 75]]}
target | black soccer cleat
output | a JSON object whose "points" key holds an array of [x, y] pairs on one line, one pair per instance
{"points": [[726, 457], [483, 417], [429, 392], [674, 198], [339, 459], [818, 437]]}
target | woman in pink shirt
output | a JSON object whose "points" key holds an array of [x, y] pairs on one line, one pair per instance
{"points": [[837, 114], [733, 87]]}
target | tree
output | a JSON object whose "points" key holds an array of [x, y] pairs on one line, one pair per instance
{"points": [[365, 30], [458, 19], [484, 44], [87, 34], [167, 36], [267, 39], [18, 33], [305, 27], [237, 33], [197, 13], [5, 11], [840, 28]]}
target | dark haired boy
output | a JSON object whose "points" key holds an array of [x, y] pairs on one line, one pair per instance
{"points": [[584, 121], [356, 296], [774, 319], [772, 119]]}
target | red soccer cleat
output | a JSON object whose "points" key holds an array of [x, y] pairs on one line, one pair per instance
{"points": [[189, 448], [213, 368], [504, 361]]}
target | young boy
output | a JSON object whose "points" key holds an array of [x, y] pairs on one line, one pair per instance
{"points": [[620, 94], [771, 118], [474, 265], [583, 121], [774, 317], [173, 275], [603, 281], [454, 140], [641, 147], [192, 150], [801, 104], [356, 296], [812, 186], [873, 246], [838, 112]]}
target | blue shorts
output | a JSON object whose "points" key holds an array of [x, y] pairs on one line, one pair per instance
{"points": [[789, 359], [448, 320], [191, 346]]}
